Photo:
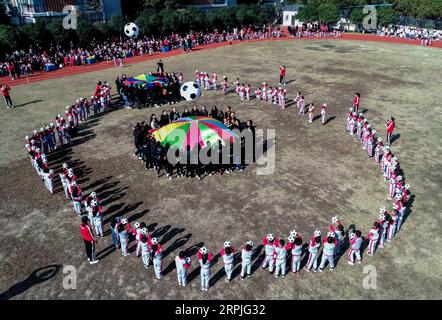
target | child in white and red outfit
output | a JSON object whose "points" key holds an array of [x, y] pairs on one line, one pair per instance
{"points": [[197, 77], [264, 91], [392, 224], [144, 244], [157, 257], [207, 81], [246, 260], [386, 159], [296, 250], [258, 93], [370, 143], [281, 97], [269, 250], [314, 244], [337, 228], [237, 84], [324, 108], [328, 251], [373, 238], [205, 260], [214, 81], [349, 117], [136, 232], [124, 236], [227, 253], [241, 91], [298, 96], [352, 123], [248, 91], [182, 263], [272, 95], [225, 85], [96, 213], [311, 112], [365, 132], [393, 182], [383, 220], [378, 151], [49, 180], [359, 123], [355, 247], [400, 208], [301, 105], [280, 257]]}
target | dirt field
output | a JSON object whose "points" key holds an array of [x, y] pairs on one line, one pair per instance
{"points": [[320, 172]]}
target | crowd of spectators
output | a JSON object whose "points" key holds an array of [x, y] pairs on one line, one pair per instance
{"points": [[312, 29], [412, 33], [36, 58]]}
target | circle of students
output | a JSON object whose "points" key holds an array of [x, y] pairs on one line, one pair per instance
{"points": [[278, 251]]}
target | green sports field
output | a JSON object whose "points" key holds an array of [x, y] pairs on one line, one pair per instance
{"points": [[320, 172]]}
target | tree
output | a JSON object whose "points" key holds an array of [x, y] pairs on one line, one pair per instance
{"points": [[149, 22], [170, 4], [8, 39], [169, 22], [87, 33], [357, 16], [104, 30], [245, 15], [386, 16], [328, 13], [420, 9], [154, 4], [61, 36], [115, 25], [37, 33], [309, 13]]}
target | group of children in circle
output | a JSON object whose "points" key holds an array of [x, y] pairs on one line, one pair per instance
{"points": [[276, 251]]}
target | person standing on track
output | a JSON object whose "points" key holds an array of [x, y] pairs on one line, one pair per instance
{"points": [[5, 93]]}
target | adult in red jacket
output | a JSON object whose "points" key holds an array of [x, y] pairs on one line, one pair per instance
{"points": [[356, 102], [89, 239], [4, 88], [390, 125], [282, 70]]}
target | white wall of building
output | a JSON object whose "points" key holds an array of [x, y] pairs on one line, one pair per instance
{"points": [[289, 18]]}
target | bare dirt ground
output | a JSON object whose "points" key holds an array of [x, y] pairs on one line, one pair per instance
{"points": [[320, 172]]}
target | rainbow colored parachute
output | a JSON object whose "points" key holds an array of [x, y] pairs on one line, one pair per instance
{"points": [[147, 81], [193, 130]]}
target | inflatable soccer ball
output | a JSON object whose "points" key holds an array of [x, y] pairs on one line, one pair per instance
{"points": [[131, 30], [190, 91]]}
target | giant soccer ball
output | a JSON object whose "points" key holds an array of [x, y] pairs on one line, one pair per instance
{"points": [[190, 91], [131, 30]]}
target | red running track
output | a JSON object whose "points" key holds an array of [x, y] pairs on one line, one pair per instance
{"points": [[69, 71]]}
